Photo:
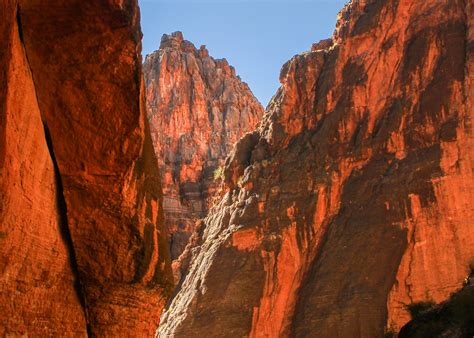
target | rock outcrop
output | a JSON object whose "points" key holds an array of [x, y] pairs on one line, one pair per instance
{"points": [[198, 108], [82, 245], [354, 197]]}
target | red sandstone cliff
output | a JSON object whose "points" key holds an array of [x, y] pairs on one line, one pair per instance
{"points": [[198, 108], [82, 249], [354, 197]]}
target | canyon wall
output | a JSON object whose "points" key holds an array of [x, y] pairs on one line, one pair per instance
{"points": [[83, 250], [353, 197], [198, 108]]}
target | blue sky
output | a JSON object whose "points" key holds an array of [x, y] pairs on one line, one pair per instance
{"points": [[256, 36]]}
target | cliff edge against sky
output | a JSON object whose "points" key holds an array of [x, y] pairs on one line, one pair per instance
{"points": [[354, 196], [198, 108]]}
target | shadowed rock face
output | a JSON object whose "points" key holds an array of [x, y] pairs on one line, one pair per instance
{"points": [[198, 108], [82, 249], [453, 318], [354, 196]]}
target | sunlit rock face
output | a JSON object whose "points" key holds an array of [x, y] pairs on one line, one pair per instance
{"points": [[82, 248], [354, 196], [198, 108]]}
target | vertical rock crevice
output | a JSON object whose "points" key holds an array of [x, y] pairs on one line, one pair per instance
{"points": [[60, 200], [64, 227], [75, 200], [20, 29], [98, 137]]}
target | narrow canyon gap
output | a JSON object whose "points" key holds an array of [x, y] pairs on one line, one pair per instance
{"points": [[350, 199]]}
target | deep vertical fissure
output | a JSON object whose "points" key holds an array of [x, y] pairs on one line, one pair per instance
{"points": [[64, 226], [60, 199], [20, 28]]}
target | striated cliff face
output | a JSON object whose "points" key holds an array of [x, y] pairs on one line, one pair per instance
{"points": [[354, 195], [197, 108], [82, 248]]}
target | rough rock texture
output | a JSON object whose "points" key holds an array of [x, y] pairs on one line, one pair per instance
{"points": [[355, 195], [198, 108], [82, 249], [38, 295]]}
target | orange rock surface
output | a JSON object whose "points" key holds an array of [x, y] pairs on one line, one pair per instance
{"points": [[198, 108], [82, 245], [39, 294], [354, 197]]}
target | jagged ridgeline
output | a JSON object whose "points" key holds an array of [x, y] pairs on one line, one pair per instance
{"points": [[198, 108], [352, 200]]}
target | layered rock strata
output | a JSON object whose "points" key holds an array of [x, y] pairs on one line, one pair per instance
{"points": [[354, 196], [198, 108], [82, 245]]}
